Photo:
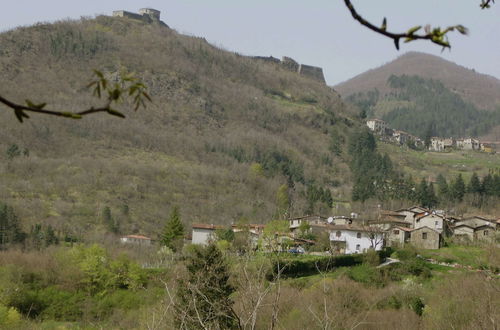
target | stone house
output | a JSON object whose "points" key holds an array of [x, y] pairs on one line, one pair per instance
{"points": [[425, 238], [401, 137], [430, 220], [484, 233], [398, 236], [355, 239], [442, 144], [136, 239], [463, 232], [409, 215]]}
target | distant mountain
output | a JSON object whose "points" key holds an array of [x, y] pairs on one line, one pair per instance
{"points": [[480, 89]]}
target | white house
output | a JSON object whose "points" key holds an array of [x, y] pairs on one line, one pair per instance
{"points": [[204, 233], [377, 125], [355, 239], [136, 239]]}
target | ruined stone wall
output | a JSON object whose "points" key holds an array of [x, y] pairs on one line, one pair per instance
{"points": [[312, 72], [290, 64], [127, 14]]}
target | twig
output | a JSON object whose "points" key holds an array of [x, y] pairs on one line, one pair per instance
{"points": [[436, 35]]}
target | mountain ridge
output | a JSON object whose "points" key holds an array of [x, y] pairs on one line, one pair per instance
{"points": [[480, 89]]}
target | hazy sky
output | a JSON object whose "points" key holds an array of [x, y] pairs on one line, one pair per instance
{"points": [[315, 32]]}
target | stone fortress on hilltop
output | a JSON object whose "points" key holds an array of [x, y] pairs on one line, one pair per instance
{"points": [[147, 15], [309, 71]]}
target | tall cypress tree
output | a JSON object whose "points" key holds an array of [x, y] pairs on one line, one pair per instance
{"points": [[174, 230], [443, 189]]}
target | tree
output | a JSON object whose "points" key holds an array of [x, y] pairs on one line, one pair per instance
{"points": [[108, 220], [443, 190], [474, 186], [174, 231], [457, 189], [283, 202], [10, 232], [436, 35], [204, 298]]}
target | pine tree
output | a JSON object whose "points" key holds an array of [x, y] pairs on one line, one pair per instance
{"points": [[204, 298], [110, 223], [474, 186], [457, 190], [174, 230]]}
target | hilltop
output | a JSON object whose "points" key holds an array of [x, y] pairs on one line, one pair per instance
{"points": [[480, 89], [224, 131]]}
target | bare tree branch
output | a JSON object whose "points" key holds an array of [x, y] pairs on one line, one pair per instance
{"points": [[127, 86], [435, 35]]}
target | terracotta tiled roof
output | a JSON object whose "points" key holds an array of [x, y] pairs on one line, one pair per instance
{"points": [[206, 226], [137, 237]]}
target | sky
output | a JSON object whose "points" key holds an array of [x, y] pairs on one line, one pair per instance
{"points": [[315, 32]]}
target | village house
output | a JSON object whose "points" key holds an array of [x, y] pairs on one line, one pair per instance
{"points": [[398, 236], [401, 137], [355, 239], [430, 220], [410, 213], [484, 233], [309, 219], [441, 144], [377, 125], [204, 233], [136, 239], [425, 238]]}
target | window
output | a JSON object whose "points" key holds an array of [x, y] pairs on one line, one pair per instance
{"points": [[485, 233], [396, 232], [358, 235], [338, 233], [436, 223], [358, 247], [372, 236], [424, 235]]}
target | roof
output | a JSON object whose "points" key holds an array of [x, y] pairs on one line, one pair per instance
{"points": [[308, 216], [253, 226], [137, 237], [425, 227], [206, 226], [404, 229], [391, 213], [425, 214], [354, 228]]}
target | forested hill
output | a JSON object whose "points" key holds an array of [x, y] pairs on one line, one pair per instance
{"points": [[226, 138], [479, 89], [425, 107]]}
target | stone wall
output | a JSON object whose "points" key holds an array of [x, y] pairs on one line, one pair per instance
{"points": [[312, 72], [290, 64], [425, 238]]}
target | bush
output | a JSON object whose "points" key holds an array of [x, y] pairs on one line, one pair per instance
{"points": [[9, 317], [299, 266]]}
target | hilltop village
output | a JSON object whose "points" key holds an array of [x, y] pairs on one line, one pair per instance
{"points": [[439, 144]]}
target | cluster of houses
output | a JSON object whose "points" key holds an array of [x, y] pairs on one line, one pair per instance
{"points": [[439, 144], [416, 225]]}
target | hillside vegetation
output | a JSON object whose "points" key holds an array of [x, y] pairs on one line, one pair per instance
{"points": [[224, 131], [425, 107], [479, 89]]}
